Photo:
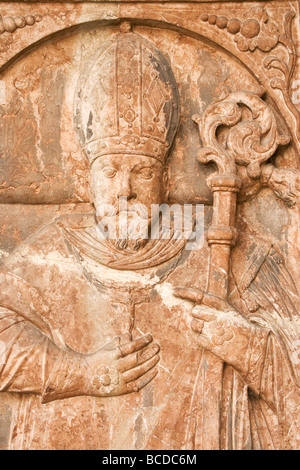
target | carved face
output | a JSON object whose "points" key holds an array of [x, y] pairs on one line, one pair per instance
{"points": [[129, 183]]}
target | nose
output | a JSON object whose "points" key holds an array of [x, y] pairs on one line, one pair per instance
{"points": [[126, 188]]}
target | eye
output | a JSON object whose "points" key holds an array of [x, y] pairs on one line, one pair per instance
{"points": [[146, 173], [109, 172]]}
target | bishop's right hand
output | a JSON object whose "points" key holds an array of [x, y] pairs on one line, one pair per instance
{"points": [[119, 369]]}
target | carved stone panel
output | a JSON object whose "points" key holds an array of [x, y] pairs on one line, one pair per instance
{"points": [[149, 244]]}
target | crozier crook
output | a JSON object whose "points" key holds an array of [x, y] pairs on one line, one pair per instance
{"points": [[251, 139]]}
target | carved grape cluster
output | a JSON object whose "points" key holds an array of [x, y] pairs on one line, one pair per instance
{"points": [[254, 31], [9, 24]]}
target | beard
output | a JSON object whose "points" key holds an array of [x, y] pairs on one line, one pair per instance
{"points": [[128, 245], [126, 230]]}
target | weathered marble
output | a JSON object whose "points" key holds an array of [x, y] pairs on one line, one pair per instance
{"points": [[129, 342]]}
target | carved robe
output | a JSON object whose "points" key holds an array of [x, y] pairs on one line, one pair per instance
{"points": [[193, 403]]}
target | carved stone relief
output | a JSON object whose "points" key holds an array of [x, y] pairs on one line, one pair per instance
{"points": [[257, 31], [121, 327]]}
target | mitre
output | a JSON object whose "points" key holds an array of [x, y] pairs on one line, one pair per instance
{"points": [[127, 101]]}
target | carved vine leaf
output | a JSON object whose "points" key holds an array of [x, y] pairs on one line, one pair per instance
{"points": [[252, 136], [256, 31], [287, 69]]}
